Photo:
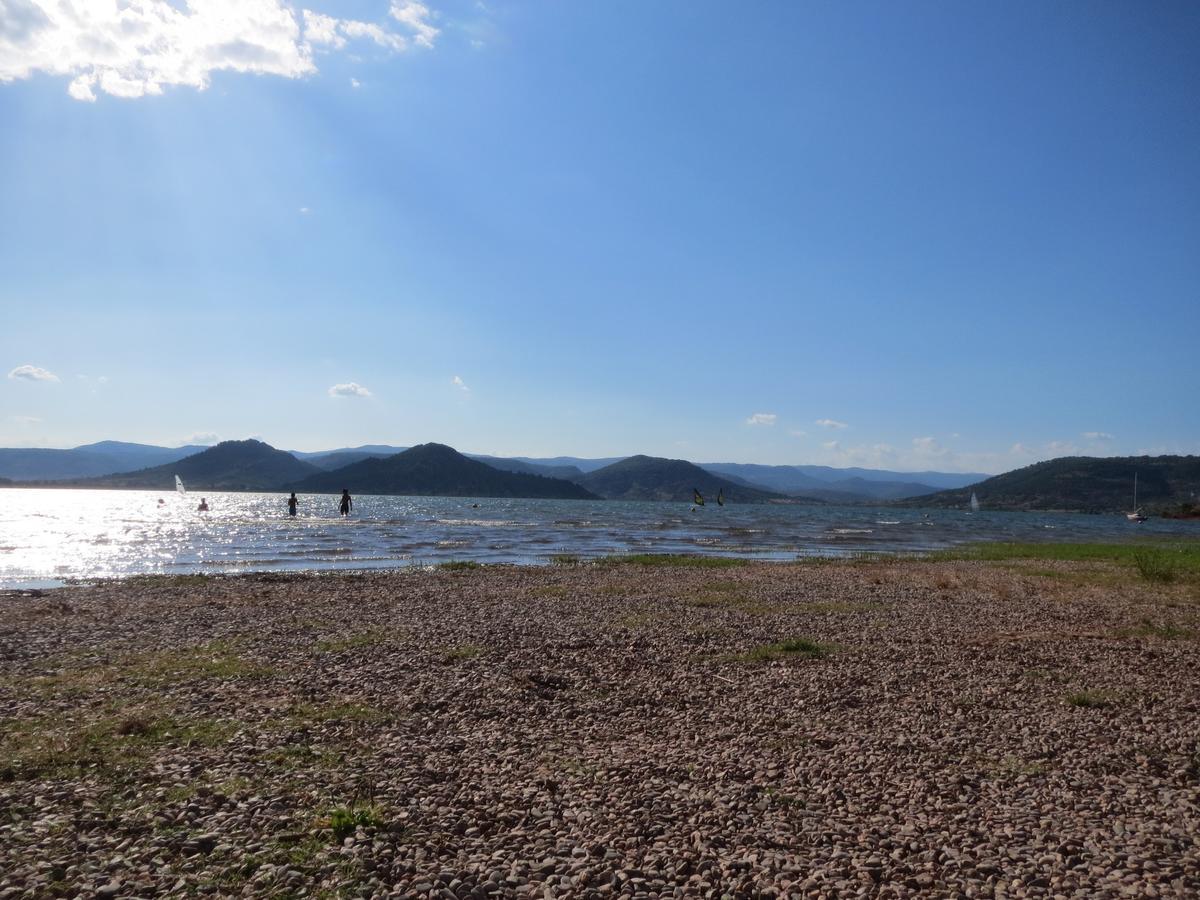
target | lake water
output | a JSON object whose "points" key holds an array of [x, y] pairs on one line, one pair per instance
{"points": [[48, 536]]}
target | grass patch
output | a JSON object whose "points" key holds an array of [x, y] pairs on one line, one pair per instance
{"points": [[345, 820], [365, 639], [565, 559], [217, 659], [673, 560], [459, 565], [1155, 565], [1089, 699], [1166, 631], [466, 651], [718, 593], [1180, 558], [337, 712], [793, 648], [111, 742]]}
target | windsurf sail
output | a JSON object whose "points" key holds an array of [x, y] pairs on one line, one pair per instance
{"points": [[721, 497], [974, 502], [697, 497], [179, 485]]}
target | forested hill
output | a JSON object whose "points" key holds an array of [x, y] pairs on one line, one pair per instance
{"points": [[655, 478], [435, 470], [1082, 484], [229, 466]]}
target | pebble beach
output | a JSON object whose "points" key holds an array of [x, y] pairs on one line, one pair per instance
{"points": [[890, 728]]}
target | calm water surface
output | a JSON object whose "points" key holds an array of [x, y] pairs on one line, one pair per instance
{"points": [[47, 536]]}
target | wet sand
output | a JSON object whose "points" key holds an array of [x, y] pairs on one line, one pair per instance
{"points": [[823, 729]]}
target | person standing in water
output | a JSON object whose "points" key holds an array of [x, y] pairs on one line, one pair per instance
{"points": [[347, 503], [203, 507], [292, 501]]}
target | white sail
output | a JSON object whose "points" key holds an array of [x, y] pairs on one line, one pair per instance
{"points": [[974, 502], [179, 485]]}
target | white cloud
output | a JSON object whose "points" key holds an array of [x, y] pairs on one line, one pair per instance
{"points": [[368, 31], [202, 438], [459, 383], [32, 373], [795, 432], [415, 16], [831, 423], [137, 48], [350, 389], [26, 421], [762, 419], [355, 83], [322, 30], [304, 210], [928, 447], [1097, 435], [1019, 449]]}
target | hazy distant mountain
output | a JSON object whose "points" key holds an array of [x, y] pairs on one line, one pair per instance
{"points": [[435, 470], [1082, 484], [102, 458], [327, 462], [229, 466], [584, 465], [655, 478], [850, 484], [365, 451], [570, 473], [935, 479]]}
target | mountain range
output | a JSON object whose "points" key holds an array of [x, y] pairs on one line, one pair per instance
{"points": [[103, 458], [811, 482], [1082, 484], [439, 471]]}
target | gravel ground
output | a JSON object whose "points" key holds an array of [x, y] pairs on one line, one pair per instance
{"points": [[883, 728]]}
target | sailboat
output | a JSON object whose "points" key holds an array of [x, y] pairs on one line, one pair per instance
{"points": [[179, 485], [1136, 515]]}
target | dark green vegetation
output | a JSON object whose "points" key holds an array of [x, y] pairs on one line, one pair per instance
{"points": [[654, 478], [1182, 511], [229, 466], [435, 470], [1083, 484]]}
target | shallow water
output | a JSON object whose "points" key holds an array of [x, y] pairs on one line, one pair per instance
{"points": [[47, 536]]}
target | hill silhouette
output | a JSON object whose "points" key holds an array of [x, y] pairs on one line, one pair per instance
{"points": [[655, 478], [229, 466], [435, 470], [86, 461], [1082, 484]]}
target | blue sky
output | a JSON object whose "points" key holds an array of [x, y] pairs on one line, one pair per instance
{"points": [[921, 235]]}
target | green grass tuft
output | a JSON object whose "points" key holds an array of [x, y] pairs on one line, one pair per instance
{"points": [[345, 820], [459, 565], [1155, 565], [1089, 700], [792, 648]]}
